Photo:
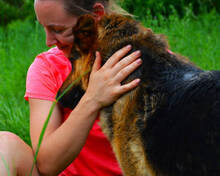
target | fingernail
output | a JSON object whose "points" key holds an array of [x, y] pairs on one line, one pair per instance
{"points": [[138, 80], [96, 53], [128, 46], [139, 61], [138, 52]]}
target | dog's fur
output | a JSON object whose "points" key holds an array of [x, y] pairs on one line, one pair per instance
{"points": [[170, 124]]}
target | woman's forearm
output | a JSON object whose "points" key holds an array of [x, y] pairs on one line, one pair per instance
{"points": [[62, 146]]}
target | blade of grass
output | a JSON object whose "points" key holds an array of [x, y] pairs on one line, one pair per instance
{"points": [[5, 164], [49, 115]]}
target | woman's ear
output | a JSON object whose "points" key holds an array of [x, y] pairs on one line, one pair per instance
{"points": [[98, 10]]}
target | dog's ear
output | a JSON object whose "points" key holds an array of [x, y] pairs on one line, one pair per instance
{"points": [[85, 33]]}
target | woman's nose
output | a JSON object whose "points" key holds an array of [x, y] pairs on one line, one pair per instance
{"points": [[50, 39]]}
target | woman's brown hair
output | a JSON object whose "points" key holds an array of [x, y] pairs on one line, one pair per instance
{"points": [[80, 7]]}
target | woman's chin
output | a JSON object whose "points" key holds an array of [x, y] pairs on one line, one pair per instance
{"points": [[66, 50]]}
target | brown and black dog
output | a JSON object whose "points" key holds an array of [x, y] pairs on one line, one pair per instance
{"points": [[170, 124]]}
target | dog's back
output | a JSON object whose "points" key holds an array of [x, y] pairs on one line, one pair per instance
{"points": [[182, 135]]}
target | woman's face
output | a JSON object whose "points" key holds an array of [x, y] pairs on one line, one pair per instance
{"points": [[57, 24]]}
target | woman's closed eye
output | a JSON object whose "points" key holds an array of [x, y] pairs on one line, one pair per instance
{"points": [[57, 30], [65, 31]]}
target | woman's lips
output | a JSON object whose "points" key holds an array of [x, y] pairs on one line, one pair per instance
{"points": [[62, 47], [65, 49]]}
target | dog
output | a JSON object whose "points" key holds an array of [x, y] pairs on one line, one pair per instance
{"points": [[167, 126]]}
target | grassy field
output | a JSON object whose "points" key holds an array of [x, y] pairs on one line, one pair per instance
{"points": [[20, 42], [195, 37]]}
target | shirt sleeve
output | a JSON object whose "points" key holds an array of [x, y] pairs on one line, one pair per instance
{"points": [[41, 82]]}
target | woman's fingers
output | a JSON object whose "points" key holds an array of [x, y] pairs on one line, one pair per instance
{"points": [[117, 56], [97, 63], [129, 86], [123, 73], [126, 61], [105, 82]]}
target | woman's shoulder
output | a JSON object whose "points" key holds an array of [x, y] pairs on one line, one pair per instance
{"points": [[53, 56], [52, 52], [52, 62], [46, 74]]}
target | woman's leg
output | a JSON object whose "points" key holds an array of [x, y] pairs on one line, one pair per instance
{"points": [[17, 155]]}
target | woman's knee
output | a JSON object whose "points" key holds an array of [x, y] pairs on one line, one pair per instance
{"points": [[15, 150], [7, 135], [8, 146], [9, 140]]}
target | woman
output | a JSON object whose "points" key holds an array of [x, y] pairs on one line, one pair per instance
{"points": [[73, 145]]}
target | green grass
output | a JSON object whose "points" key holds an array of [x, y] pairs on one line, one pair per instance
{"points": [[194, 37], [20, 42], [198, 38]]}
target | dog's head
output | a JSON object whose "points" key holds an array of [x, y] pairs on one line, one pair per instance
{"points": [[85, 34]]}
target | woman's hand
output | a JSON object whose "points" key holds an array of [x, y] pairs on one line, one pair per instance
{"points": [[105, 82]]}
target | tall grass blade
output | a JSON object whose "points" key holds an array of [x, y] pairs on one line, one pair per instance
{"points": [[5, 164], [49, 115]]}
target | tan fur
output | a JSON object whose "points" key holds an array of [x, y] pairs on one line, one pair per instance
{"points": [[126, 142]]}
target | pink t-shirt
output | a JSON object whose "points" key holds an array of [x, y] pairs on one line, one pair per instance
{"points": [[45, 76]]}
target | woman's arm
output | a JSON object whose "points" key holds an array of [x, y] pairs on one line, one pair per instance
{"points": [[63, 141]]}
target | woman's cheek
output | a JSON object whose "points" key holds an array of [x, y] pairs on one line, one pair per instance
{"points": [[68, 38]]}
